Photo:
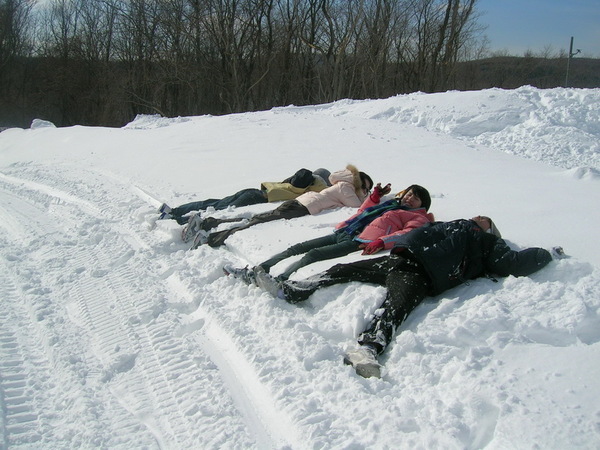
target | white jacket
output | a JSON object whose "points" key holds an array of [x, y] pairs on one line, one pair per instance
{"points": [[346, 190]]}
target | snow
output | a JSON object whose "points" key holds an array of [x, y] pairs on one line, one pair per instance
{"points": [[114, 335]]}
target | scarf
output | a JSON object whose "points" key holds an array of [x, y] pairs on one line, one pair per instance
{"points": [[356, 224]]}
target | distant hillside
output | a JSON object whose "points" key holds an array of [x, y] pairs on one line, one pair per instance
{"points": [[72, 91], [511, 72]]}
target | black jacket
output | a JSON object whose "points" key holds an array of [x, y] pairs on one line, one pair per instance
{"points": [[454, 252]]}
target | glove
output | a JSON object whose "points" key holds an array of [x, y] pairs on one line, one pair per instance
{"points": [[379, 192], [373, 247], [557, 253], [386, 189]]}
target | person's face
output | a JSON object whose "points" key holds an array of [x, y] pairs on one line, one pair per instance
{"points": [[411, 200], [484, 222]]}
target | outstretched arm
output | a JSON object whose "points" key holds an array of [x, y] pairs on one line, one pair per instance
{"points": [[504, 261]]}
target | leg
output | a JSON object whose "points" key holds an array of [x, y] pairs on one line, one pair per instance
{"points": [[187, 208], [368, 271], [407, 286], [244, 197], [299, 249], [287, 210], [194, 223], [344, 246], [373, 270], [208, 223]]}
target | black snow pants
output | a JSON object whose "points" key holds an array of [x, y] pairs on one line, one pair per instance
{"points": [[289, 209], [405, 279]]}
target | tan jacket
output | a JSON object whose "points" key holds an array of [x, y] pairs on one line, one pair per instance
{"points": [[346, 190], [277, 191]]}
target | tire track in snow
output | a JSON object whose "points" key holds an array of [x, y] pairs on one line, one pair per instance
{"points": [[271, 427], [116, 300], [42, 193], [123, 348], [170, 372], [55, 381], [24, 366], [19, 413], [48, 191], [138, 357], [21, 220]]}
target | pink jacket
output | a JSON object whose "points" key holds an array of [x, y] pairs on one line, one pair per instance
{"points": [[390, 225], [346, 190]]}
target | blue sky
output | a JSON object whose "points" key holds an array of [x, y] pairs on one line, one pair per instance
{"points": [[521, 25]]}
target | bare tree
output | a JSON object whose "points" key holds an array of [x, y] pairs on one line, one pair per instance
{"points": [[381, 29], [14, 17], [15, 47], [137, 48], [97, 29], [108, 60]]}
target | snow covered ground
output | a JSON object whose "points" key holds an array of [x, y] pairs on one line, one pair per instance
{"points": [[114, 335]]}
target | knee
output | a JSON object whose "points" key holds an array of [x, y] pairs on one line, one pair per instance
{"points": [[336, 270], [295, 249], [315, 254]]}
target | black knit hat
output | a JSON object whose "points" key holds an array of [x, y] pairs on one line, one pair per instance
{"points": [[420, 192], [364, 178]]}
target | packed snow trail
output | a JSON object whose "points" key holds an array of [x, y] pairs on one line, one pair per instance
{"points": [[125, 346]]}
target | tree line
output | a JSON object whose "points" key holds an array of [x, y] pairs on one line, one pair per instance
{"points": [[102, 62]]}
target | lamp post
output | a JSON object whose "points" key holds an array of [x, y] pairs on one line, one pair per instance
{"points": [[571, 54]]}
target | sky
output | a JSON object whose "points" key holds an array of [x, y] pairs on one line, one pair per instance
{"points": [[521, 25], [114, 334]]}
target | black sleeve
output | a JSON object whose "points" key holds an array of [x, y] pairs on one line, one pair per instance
{"points": [[503, 261]]}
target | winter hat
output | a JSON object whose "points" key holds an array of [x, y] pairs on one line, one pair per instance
{"points": [[323, 174], [364, 178], [420, 192]]}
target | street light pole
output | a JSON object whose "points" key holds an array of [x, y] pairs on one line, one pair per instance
{"points": [[571, 54]]}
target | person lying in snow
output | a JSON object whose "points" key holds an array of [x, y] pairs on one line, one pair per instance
{"points": [[425, 261], [302, 181], [376, 226], [349, 187]]}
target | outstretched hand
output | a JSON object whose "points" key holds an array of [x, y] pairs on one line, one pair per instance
{"points": [[372, 247], [384, 190], [379, 192]]}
